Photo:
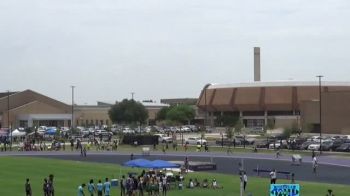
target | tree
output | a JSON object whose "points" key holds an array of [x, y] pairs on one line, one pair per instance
{"points": [[128, 111], [226, 120], [161, 115], [181, 114], [239, 126], [286, 132], [229, 133], [270, 124], [294, 127]]}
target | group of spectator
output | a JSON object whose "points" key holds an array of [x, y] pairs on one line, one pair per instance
{"points": [[151, 183], [100, 188]]}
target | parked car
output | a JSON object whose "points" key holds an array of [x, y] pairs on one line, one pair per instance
{"points": [[163, 138], [315, 146], [278, 144], [195, 141], [245, 139], [193, 128], [306, 144], [262, 144], [227, 142], [337, 142], [185, 129], [344, 148], [327, 146], [127, 130]]}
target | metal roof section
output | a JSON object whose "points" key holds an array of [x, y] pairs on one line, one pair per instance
{"points": [[279, 84]]}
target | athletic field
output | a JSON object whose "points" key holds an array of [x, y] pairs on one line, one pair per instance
{"points": [[70, 174]]}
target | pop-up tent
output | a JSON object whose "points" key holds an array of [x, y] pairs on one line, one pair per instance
{"points": [[140, 163], [17, 133], [157, 164], [50, 131]]}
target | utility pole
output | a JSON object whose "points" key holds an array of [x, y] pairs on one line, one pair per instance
{"points": [[320, 106], [241, 170], [8, 118], [72, 120]]}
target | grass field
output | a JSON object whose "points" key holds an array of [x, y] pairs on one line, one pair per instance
{"points": [[69, 174]]}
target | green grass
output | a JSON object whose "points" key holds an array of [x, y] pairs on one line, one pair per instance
{"points": [[69, 174]]}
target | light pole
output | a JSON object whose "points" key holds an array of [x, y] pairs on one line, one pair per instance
{"points": [[8, 118], [72, 120], [320, 107], [132, 95]]}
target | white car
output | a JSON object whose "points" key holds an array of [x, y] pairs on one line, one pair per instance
{"points": [[314, 147], [128, 130], [164, 139], [195, 141], [185, 129]]}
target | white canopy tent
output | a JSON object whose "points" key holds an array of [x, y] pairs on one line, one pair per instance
{"points": [[17, 133]]}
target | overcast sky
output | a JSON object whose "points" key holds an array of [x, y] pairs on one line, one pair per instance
{"points": [[166, 48]]}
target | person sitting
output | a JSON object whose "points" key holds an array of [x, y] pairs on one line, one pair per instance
{"points": [[205, 183], [330, 193], [190, 184], [214, 184], [180, 186], [196, 183]]}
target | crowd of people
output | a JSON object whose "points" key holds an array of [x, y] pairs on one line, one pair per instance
{"points": [[151, 183]]}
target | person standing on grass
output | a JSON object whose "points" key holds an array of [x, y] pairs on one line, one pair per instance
{"points": [[273, 176], [50, 187], [28, 188], [81, 190], [122, 186], [99, 188], [107, 187], [314, 165], [91, 187], [245, 180], [45, 187]]}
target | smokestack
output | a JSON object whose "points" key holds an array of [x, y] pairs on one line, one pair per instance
{"points": [[256, 64]]}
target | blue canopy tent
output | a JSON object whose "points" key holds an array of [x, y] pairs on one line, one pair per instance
{"points": [[50, 131], [140, 163], [157, 164]]}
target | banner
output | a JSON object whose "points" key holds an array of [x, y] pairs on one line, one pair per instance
{"points": [[284, 190]]}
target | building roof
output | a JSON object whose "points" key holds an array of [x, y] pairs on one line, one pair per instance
{"points": [[264, 96], [279, 84]]}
